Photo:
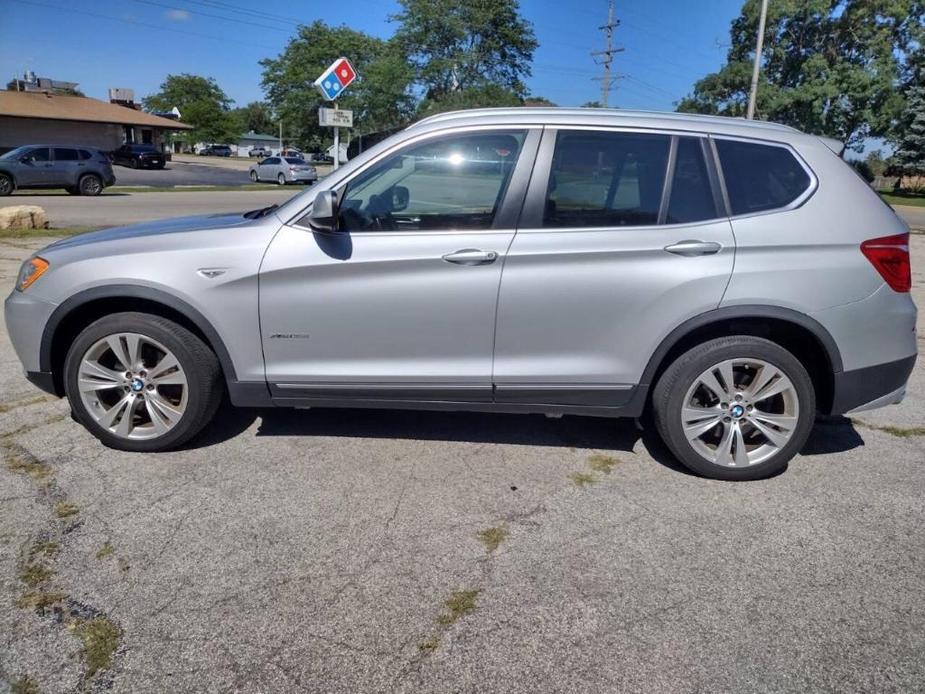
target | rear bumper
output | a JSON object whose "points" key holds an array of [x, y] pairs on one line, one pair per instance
{"points": [[871, 387]]}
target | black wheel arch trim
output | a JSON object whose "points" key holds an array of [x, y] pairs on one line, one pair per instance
{"points": [[133, 291], [742, 311]]}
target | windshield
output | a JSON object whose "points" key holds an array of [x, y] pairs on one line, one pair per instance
{"points": [[14, 153]]}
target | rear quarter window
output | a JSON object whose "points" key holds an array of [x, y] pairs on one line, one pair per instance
{"points": [[760, 177]]}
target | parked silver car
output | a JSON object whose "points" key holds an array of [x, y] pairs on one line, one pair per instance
{"points": [[283, 170], [79, 170], [730, 277]]}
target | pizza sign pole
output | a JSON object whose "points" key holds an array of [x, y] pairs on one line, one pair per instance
{"points": [[339, 75]]}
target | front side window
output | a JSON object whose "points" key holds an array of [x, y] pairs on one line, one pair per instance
{"points": [[450, 183], [606, 179], [760, 177], [40, 154]]}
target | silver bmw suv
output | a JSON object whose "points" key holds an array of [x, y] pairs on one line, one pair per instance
{"points": [[730, 278]]}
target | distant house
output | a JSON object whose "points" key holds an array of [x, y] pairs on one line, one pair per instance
{"points": [[40, 117], [252, 139]]}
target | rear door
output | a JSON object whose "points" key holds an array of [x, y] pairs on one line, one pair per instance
{"points": [[67, 165], [607, 260]]}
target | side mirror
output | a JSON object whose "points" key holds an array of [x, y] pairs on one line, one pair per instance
{"points": [[323, 216], [400, 198]]}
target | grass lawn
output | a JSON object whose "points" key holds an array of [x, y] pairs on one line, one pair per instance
{"points": [[909, 199]]}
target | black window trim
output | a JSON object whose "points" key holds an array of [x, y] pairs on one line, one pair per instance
{"points": [[798, 202], [535, 201], [510, 206]]}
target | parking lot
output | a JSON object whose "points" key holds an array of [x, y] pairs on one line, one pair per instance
{"points": [[358, 551]]}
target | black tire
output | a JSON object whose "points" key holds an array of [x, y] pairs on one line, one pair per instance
{"points": [[281, 179], [133, 163], [199, 363], [7, 186], [672, 388], [90, 184], [254, 176]]}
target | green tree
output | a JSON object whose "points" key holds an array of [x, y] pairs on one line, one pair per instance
{"points": [[380, 97], [456, 46], [487, 96], [202, 104], [830, 67], [538, 101], [256, 116], [910, 129], [876, 163]]}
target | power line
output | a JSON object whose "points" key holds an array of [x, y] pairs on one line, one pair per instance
{"points": [[605, 57]]}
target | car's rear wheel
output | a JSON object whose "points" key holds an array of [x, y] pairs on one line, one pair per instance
{"points": [[90, 184], [140, 382], [281, 179], [6, 184], [735, 408], [254, 177]]}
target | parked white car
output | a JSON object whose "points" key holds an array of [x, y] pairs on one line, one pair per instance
{"points": [[283, 170]]}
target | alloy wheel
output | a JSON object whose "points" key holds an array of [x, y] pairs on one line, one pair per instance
{"points": [[133, 386], [740, 412]]}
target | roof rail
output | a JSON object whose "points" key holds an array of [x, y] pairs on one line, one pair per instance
{"points": [[615, 113]]}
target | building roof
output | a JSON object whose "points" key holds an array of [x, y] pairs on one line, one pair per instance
{"points": [[78, 108], [259, 137]]}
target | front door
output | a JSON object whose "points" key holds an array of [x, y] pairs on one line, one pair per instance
{"points": [[622, 239], [399, 304], [36, 168]]}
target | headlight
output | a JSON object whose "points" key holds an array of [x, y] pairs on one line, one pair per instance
{"points": [[30, 271]]}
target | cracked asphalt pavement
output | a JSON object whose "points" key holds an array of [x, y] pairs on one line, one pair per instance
{"points": [[340, 551]]}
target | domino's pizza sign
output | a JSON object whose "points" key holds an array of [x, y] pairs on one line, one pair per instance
{"points": [[336, 79]]}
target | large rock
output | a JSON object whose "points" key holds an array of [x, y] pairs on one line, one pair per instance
{"points": [[23, 217]]}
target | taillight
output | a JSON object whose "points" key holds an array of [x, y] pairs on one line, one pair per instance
{"points": [[890, 256]]}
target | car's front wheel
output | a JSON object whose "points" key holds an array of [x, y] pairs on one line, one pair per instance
{"points": [[6, 184], [90, 184], [140, 382], [735, 408], [254, 176], [281, 179]]}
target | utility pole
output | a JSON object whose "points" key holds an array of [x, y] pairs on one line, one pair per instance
{"points": [[753, 94], [605, 57]]}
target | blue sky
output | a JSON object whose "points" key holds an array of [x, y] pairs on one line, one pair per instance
{"points": [[136, 43]]}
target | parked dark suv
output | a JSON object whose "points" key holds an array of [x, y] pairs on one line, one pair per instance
{"points": [[216, 151], [79, 170], [139, 157]]}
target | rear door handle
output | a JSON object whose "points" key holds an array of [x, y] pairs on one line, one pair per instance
{"points": [[471, 256], [690, 248]]}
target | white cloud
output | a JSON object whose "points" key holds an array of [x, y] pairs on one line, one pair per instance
{"points": [[177, 15]]}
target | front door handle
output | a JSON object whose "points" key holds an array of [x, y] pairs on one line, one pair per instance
{"points": [[690, 248], [471, 256]]}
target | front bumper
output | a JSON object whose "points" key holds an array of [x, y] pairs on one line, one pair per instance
{"points": [[871, 387], [26, 317]]}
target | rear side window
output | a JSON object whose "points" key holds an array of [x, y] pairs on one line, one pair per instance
{"points": [[691, 195], [760, 177], [62, 154], [604, 179]]}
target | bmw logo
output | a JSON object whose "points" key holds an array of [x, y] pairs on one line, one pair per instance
{"points": [[136, 385], [737, 411]]}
